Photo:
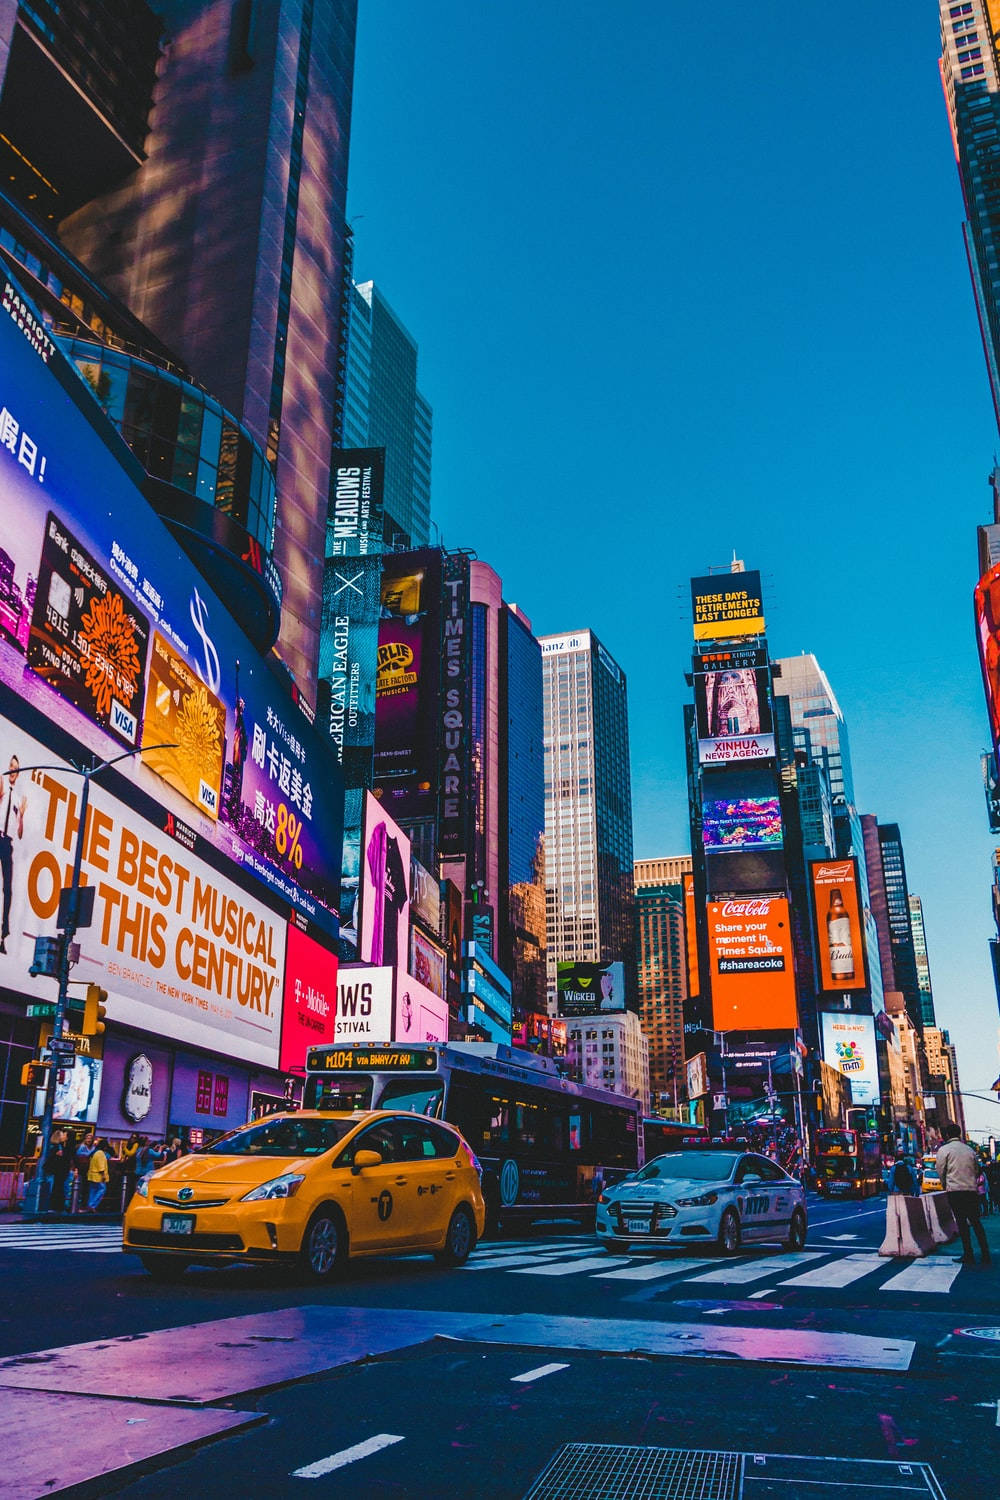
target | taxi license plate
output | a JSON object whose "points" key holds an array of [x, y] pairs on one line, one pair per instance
{"points": [[177, 1224], [637, 1226]]}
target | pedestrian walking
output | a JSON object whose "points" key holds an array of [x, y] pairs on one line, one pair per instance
{"points": [[175, 1150], [98, 1176], [84, 1151], [992, 1170], [901, 1178], [58, 1166], [958, 1169], [130, 1161]]}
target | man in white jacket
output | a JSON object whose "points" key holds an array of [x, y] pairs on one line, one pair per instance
{"points": [[958, 1169]]}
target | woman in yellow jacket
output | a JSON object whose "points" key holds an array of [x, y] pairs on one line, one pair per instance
{"points": [[98, 1176]]}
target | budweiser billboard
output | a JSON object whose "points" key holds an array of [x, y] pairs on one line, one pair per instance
{"points": [[750, 957], [840, 936]]}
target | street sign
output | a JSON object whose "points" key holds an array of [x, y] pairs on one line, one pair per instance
{"points": [[62, 1046], [41, 1012], [76, 907]]}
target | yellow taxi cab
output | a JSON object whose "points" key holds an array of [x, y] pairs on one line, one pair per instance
{"points": [[312, 1188], [930, 1182]]}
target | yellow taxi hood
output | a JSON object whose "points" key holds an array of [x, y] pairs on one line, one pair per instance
{"points": [[228, 1171]]}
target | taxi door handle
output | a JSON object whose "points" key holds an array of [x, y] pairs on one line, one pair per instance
{"points": [[449, 1177], [401, 1181]]}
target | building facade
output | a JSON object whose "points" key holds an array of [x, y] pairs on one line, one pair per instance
{"points": [[921, 961], [610, 1052], [383, 408], [588, 805], [661, 957]]}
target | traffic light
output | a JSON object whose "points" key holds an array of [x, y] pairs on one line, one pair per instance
{"points": [[94, 1011], [33, 1075]]}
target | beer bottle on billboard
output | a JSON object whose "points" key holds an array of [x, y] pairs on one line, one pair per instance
{"points": [[838, 937]]}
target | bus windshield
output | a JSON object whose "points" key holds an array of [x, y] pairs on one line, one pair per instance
{"points": [[417, 1096], [836, 1143]]}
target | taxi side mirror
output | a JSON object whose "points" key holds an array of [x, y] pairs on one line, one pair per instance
{"points": [[364, 1159]]}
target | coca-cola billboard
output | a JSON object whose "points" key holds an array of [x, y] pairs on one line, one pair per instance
{"points": [[750, 956], [840, 936]]}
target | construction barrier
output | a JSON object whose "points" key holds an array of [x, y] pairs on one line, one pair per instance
{"points": [[906, 1229], [940, 1219], [11, 1188]]}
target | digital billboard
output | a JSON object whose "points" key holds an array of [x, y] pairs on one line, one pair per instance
{"points": [[849, 1046], [732, 696], [309, 1013], [736, 823], [112, 637], [427, 962], [385, 889], [742, 830], [455, 709], [590, 989], [379, 1004], [355, 522], [750, 958], [840, 937], [987, 611], [727, 605], [691, 936], [408, 684], [348, 654]]}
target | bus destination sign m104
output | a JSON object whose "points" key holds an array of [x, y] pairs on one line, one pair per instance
{"points": [[370, 1059]]}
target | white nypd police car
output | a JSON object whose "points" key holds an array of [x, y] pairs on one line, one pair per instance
{"points": [[686, 1197]]}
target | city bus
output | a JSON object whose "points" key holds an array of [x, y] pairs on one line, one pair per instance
{"points": [[848, 1163], [547, 1146], [659, 1135]]}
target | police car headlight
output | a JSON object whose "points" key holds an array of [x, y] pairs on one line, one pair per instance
{"points": [[700, 1202], [285, 1186]]}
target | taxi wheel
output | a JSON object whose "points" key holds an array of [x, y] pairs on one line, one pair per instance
{"points": [[323, 1245], [164, 1267], [729, 1232], [460, 1240], [796, 1231]]}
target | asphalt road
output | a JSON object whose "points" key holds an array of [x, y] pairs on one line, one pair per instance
{"points": [[452, 1417]]}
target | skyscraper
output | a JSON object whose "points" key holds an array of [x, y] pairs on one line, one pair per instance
{"points": [[588, 805], [662, 967], [921, 960], [971, 79], [384, 408], [225, 235], [901, 934]]}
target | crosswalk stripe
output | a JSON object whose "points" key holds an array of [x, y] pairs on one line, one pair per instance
{"points": [[924, 1276], [651, 1270], [837, 1273], [567, 1268], [739, 1272], [527, 1258]]}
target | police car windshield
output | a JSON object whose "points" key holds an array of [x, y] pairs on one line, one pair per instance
{"points": [[699, 1166], [283, 1137]]}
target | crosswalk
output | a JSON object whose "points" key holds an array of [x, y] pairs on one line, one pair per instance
{"points": [[94, 1239], [825, 1269]]}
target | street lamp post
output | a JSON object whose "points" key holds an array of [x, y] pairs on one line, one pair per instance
{"points": [[71, 914]]}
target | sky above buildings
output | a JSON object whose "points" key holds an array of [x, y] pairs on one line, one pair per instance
{"points": [[691, 282]]}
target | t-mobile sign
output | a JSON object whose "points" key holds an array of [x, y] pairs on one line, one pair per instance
{"points": [[310, 1010]]}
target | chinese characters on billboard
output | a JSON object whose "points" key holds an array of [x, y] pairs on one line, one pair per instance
{"points": [[840, 938], [849, 1046], [589, 989], [733, 707], [727, 605], [750, 955]]}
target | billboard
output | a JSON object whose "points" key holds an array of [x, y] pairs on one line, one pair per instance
{"points": [[113, 638], [849, 1046], [348, 653], [425, 897], [408, 684], [840, 936], [385, 889], [750, 958], [697, 1075], [727, 605], [355, 520], [590, 989], [455, 769], [309, 1012], [379, 1004], [732, 696], [427, 962], [691, 936], [987, 612], [737, 823]]}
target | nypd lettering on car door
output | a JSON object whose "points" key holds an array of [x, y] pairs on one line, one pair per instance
{"points": [[755, 1206]]}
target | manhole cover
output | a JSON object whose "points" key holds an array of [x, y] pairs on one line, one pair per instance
{"points": [[980, 1333], [606, 1471]]}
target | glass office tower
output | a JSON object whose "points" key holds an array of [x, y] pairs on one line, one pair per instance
{"points": [[588, 806], [921, 960]]}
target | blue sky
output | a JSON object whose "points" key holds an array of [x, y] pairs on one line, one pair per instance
{"points": [[690, 280]]}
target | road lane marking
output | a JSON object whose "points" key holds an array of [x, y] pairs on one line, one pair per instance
{"points": [[753, 1270], [924, 1276], [347, 1456], [862, 1213], [651, 1271], [568, 1268], [530, 1375], [528, 1258], [841, 1236], [837, 1273]]}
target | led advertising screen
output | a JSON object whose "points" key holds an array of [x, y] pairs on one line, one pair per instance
{"points": [[408, 684], [987, 609], [840, 937], [750, 956], [77, 1092], [379, 1005], [421, 1016], [427, 962], [737, 823], [113, 638], [309, 1013], [727, 605], [691, 935], [732, 698], [455, 709], [590, 989], [849, 1046], [357, 483], [345, 690], [385, 889]]}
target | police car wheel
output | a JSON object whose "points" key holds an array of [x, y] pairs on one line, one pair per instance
{"points": [[729, 1232], [460, 1240], [796, 1231], [323, 1245]]}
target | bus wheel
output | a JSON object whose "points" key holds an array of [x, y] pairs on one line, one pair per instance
{"points": [[729, 1232]]}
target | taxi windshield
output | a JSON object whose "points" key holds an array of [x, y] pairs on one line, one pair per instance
{"points": [[283, 1137], [699, 1166]]}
